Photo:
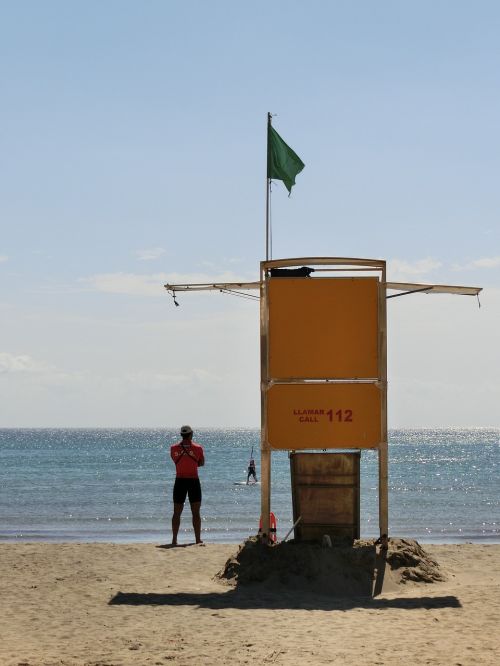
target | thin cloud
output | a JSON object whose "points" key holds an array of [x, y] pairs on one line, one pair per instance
{"points": [[398, 269], [3, 257], [134, 284], [485, 262], [35, 372], [195, 378], [20, 364], [150, 254], [126, 283]]}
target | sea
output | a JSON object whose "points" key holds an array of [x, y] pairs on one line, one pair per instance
{"points": [[115, 485]]}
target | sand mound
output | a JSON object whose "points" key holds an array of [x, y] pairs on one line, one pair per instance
{"points": [[346, 569], [407, 558]]}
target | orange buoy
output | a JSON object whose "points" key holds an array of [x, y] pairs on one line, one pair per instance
{"points": [[272, 527]]}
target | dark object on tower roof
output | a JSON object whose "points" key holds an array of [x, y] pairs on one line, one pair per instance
{"points": [[303, 271]]}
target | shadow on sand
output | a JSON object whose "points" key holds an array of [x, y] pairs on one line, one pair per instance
{"points": [[167, 546], [307, 576], [257, 599]]}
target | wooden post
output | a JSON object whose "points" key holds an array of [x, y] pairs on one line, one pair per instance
{"points": [[265, 450], [383, 483], [265, 475]]}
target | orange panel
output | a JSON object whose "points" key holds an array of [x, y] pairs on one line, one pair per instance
{"points": [[323, 416], [323, 328]]}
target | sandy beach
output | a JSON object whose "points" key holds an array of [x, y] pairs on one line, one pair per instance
{"points": [[75, 604]]}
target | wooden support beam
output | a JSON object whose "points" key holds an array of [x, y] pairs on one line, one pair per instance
{"points": [[265, 450], [383, 486]]}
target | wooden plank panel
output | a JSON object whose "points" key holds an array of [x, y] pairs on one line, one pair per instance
{"points": [[326, 480], [326, 504], [316, 532], [327, 467]]}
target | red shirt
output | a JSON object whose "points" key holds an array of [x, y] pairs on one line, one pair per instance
{"points": [[187, 456]]}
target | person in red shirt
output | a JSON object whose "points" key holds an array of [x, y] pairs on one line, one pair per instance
{"points": [[187, 457]]}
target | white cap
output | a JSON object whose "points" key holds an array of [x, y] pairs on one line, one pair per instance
{"points": [[186, 430]]}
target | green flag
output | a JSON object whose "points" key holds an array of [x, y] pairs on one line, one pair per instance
{"points": [[282, 163]]}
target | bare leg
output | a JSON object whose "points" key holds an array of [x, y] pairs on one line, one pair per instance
{"points": [[195, 510], [176, 521]]}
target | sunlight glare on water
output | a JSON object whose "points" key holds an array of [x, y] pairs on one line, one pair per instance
{"points": [[116, 485]]}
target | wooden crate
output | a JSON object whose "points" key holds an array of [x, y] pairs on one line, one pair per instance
{"points": [[325, 492]]}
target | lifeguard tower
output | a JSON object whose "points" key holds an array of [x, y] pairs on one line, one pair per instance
{"points": [[323, 330], [324, 386]]}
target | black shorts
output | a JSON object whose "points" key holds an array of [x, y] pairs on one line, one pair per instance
{"points": [[190, 487]]}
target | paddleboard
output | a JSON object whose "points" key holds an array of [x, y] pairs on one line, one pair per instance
{"points": [[244, 483]]}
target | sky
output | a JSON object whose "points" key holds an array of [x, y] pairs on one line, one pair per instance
{"points": [[133, 153]]}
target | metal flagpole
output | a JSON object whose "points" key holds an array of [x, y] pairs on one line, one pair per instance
{"points": [[268, 187], [265, 451]]}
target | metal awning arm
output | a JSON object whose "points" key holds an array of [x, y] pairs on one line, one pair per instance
{"points": [[404, 287], [412, 288], [214, 286]]}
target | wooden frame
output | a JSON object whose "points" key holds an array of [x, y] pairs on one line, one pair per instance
{"points": [[339, 265]]}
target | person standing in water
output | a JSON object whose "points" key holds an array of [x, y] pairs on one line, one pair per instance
{"points": [[251, 471], [187, 457]]}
